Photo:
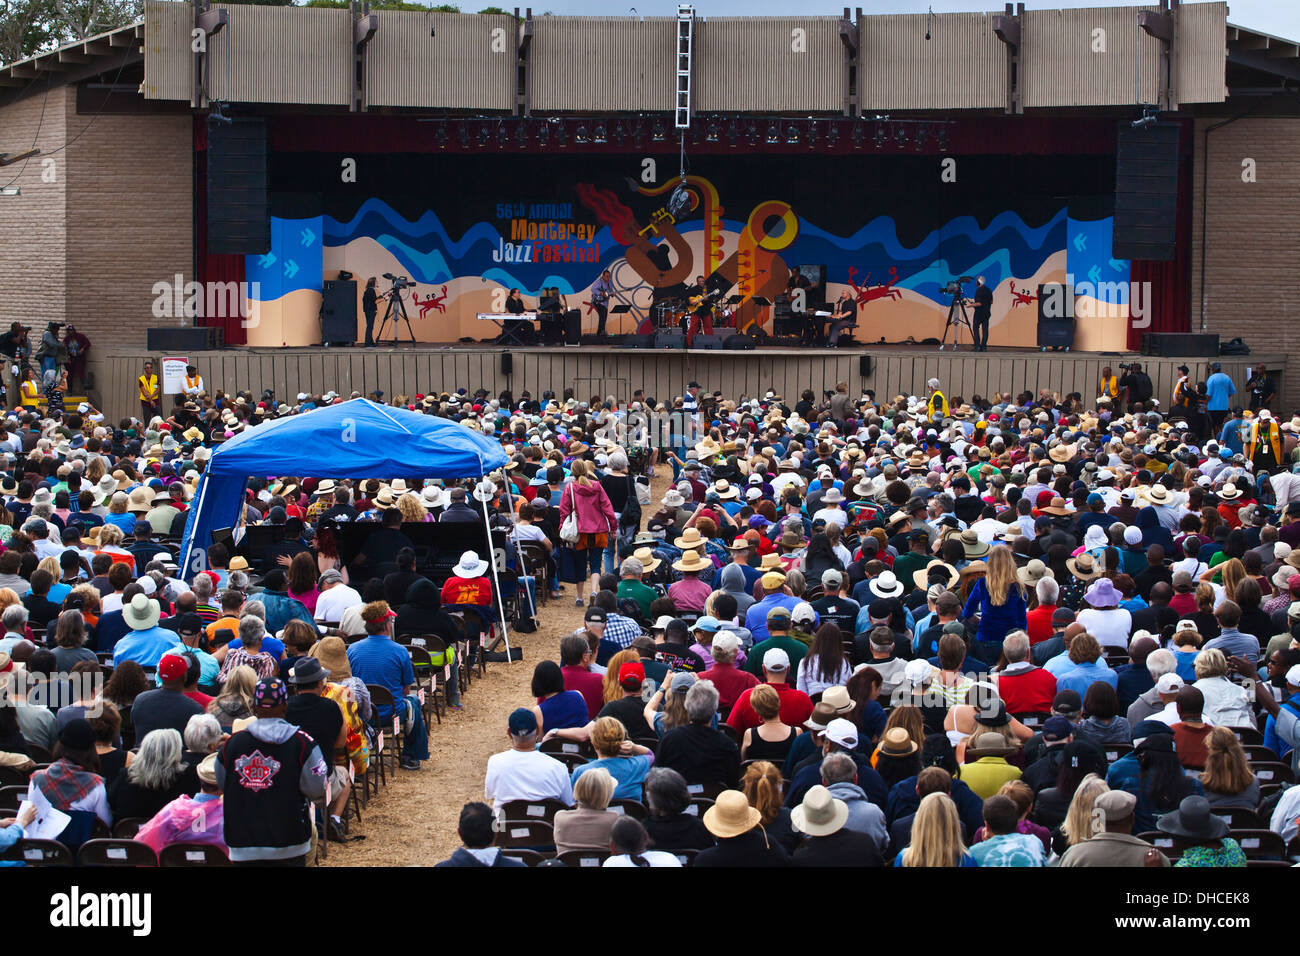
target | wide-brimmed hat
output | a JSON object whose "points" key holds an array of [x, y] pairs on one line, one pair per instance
{"points": [[673, 499], [791, 540], [691, 539], [385, 498], [833, 496], [1159, 495], [725, 489], [1230, 492], [1193, 820], [1033, 572], [237, 563], [820, 814], [332, 652], [324, 487], [731, 815], [771, 562], [307, 670], [1103, 594], [897, 742], [691, 562], [1061, 453], [972, 545], [989, 745], [470, 565], [431, 496], [1083, 567], [886, 585], [1055, 507], [141, 614], [838, 700], [647, 558], [141, 500], [921, 578]]}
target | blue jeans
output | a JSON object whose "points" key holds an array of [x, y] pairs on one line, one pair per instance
{"points": [[417, 741], [47, 365]]}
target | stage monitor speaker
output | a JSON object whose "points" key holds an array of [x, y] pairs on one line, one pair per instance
{"points": [[670, 339], [1146, 192], [740, 343], [1055, 316], [239, 194], [573, 327], [1180, 344], [864, 366], [507, 363], [339, 311], [638, 342], [710, 342], [183, 339]]}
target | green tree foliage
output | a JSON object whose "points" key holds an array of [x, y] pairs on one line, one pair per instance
{"points": [[28, 27]]}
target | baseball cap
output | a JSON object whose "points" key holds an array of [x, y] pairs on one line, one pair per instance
{"points": [[172, 667], [524, 721], [630, 675], [595, 614], [1168, 683], [1116, 804], [776, 660], [840, 731], [773, 581], [270, 692], [726, 641], [803, 612], [1293, 676], [706, 623], [1057, 728], [917, 671], [832, 578], [778, 614], [662, 622], [1067, 702]]}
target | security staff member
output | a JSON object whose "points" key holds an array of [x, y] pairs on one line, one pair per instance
{"points": [[1264, 445], [1109, 388], [1184, 393], [150, 393], [1138, 387]]}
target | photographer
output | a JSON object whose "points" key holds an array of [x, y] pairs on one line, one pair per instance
{"points": [[13, 344], [77, 347], [1137, 386], [48, 351]]}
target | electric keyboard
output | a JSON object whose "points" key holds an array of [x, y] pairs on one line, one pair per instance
{"points": [[507, 317]]}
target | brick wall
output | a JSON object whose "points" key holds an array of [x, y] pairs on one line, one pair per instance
{"points": [[128, 177], [1252, 237], [33, 226]]}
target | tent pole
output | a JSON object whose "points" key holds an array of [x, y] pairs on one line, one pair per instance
{"points": [[496, 580], [198, 510], [519, 550]]}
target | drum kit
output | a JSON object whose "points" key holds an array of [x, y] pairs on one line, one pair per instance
{"points": [[671, 313]]}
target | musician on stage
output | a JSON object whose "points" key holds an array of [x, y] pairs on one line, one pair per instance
{"points": [[600, 292], [797, 281], [980, 317], [551, 318], [515, 303], [844, 315], [702, 314]]}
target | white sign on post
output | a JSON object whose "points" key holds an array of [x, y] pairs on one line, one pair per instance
{"points": [[173, 374]]}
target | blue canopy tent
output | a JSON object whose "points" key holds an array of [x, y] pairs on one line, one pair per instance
{"points": [[356, 439]]}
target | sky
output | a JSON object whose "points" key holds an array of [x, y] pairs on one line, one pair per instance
{"points": [[1278, 17]]}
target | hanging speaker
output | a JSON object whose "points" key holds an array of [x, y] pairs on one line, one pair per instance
{"points": [[864, 365], [1146, 192], [507, 363], [239, 213]]}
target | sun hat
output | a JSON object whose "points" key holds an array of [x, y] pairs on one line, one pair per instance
{"points": [[820, 814], [1083, 567], [470, 565], [1230, 492], [1033, 572], [1192, 820], [838, 700], [972, 545], [731, 815], [897, 743], [1103, 594], [691, 561], [886, 585], [989, 745], [142, 613], [833, 496], [207, 769], [921, 578], [690, 540], [647, 559], [332, 652]]}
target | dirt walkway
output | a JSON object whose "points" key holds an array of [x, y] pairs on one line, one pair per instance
{"points": [[413, 820]]}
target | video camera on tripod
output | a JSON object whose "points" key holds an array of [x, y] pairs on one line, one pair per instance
{"points": [[955, 287], [399, 282], [957, 315]]}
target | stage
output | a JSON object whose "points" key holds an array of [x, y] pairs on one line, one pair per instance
{"points": [[602, 370]]}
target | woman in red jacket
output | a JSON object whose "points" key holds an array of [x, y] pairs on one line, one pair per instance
{"points": [[596, 522]]}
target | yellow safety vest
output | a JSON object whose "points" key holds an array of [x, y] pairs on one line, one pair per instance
{"points": [[148, 387], [1182, 392], [1272, 435], [31, 394], [1110, 386]]}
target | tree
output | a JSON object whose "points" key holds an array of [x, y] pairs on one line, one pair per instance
{"points": [[28, 27]]}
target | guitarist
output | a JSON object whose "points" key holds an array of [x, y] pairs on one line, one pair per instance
{"points": [[701, 314]]}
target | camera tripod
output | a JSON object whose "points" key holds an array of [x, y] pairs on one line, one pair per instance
{"points": [[395, 312], [957, 318]]}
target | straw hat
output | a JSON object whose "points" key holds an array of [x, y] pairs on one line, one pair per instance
{"points": [[1033, 572], [1229, 492], [691, 562], [725, 489], [989, 745], [921, 578], [691, 539], [141, 500], [385, 498], [772, 562], [897, 742], [886, 585], [1056, 507], [820, 814], [1159, 494], [332, 652], [731, 815], [972, 545], [1083, 567], [647, 558]]}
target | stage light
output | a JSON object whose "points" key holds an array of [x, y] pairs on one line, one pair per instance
{"points": [[657, 134], [773, 133], [561, 133], [521, 136], [711, 133], [943, 139], [620, 132], [878, 138], [792, 135], [482, 136], [833, 136], [442, 136], [856, 136], [503, 137], [580, 136], [599, 135], [919, 143], [733, 134], [812, 136], [638, 133], [464, 136], [752, 134], [900, 137]]}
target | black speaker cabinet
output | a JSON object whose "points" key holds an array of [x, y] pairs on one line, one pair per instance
{"points": [[238, 194], [670, 339], [573, 327], [637, 342], [507, 363], [864, 365], [710, 342], [1181, 344], [1146, 192], [740, 343], [339, 311], [188, 338]]}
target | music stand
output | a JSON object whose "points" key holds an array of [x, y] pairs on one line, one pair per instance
{"points": [[763, 303]]}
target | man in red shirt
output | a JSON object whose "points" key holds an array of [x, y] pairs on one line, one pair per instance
{"points": [[796, 706], [1190, 733], [729, 679], [575, 659], [1024, 688]]}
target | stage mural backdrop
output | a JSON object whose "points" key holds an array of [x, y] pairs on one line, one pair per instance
{"points": [[893, 230]]}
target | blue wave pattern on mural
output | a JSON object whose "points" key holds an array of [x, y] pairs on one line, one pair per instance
{"points": [[1006, 247]]}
